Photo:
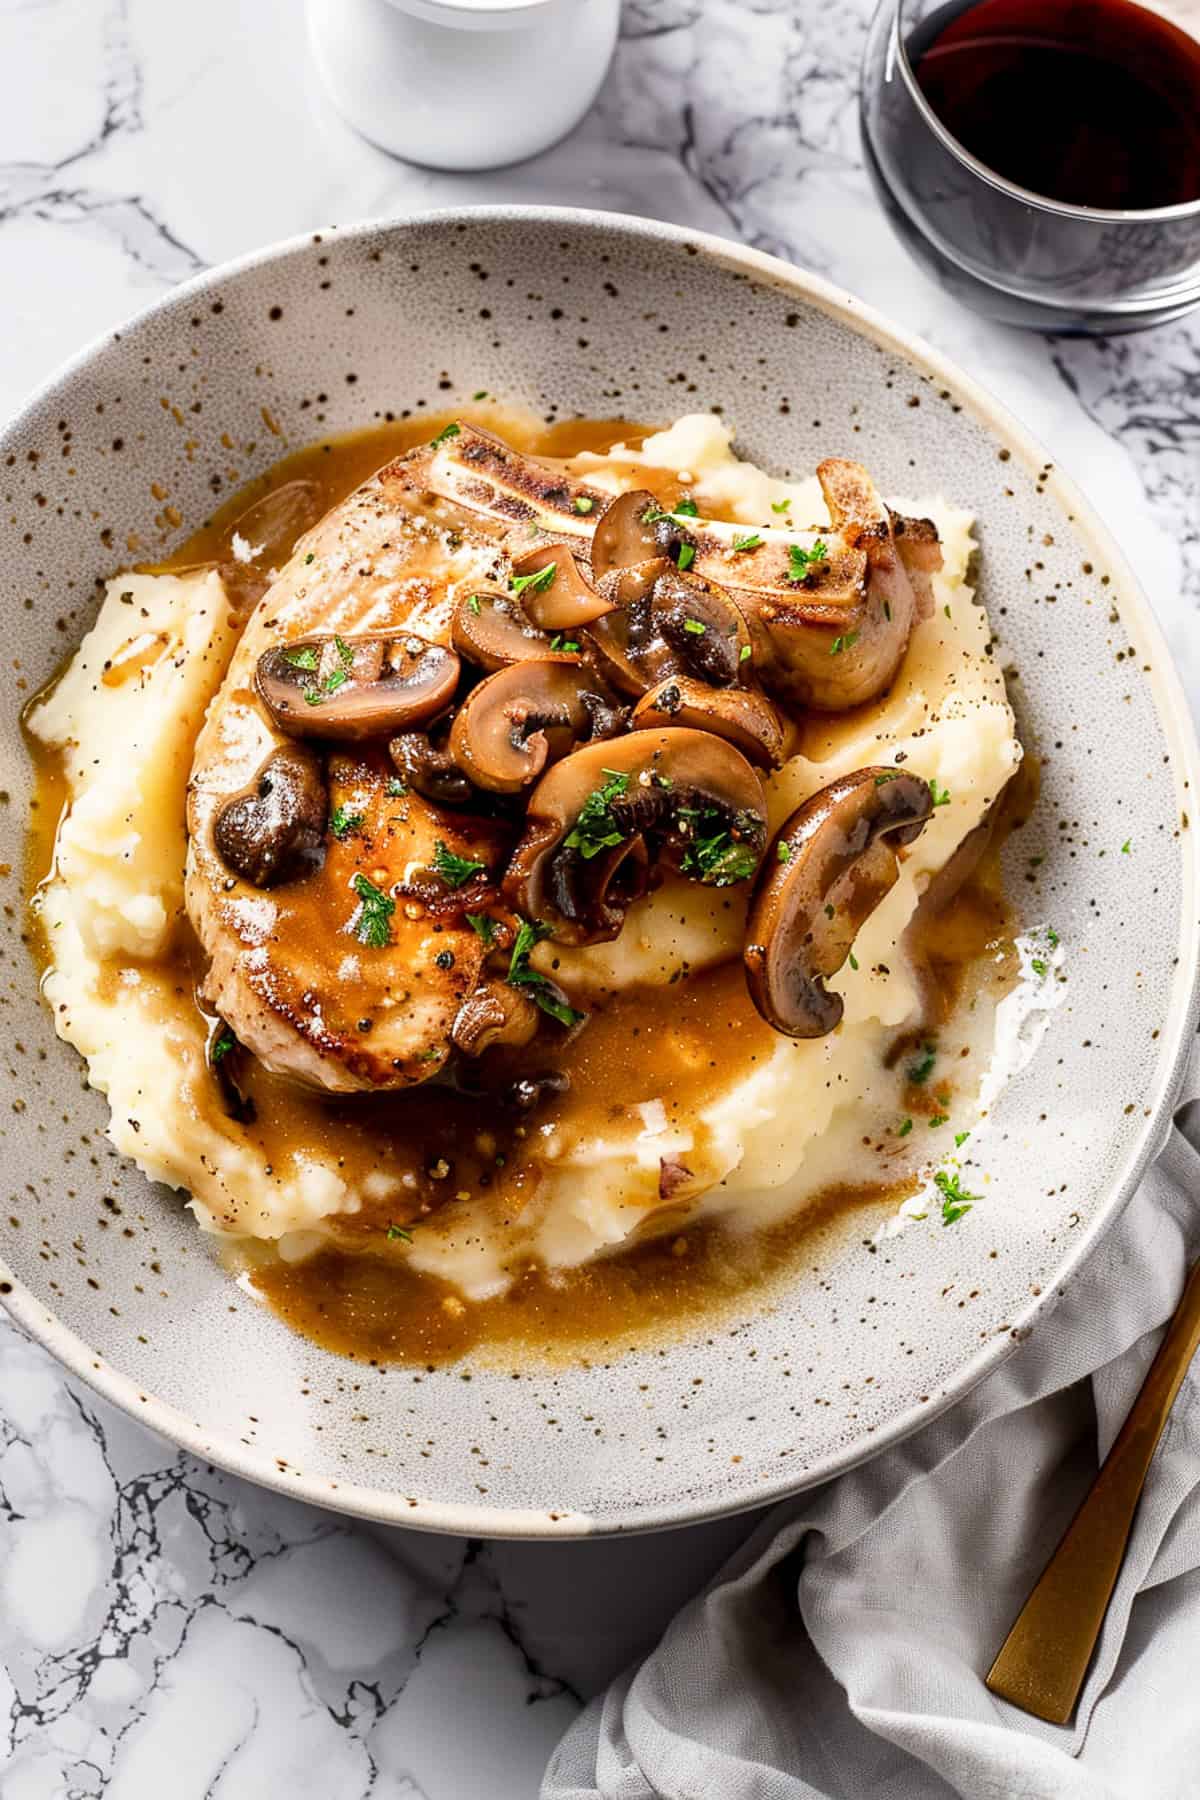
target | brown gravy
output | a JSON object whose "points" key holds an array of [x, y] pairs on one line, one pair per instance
{"points": [[358, 1297]]}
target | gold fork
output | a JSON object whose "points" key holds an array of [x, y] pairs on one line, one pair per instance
{"points": [[1045, 1657]]}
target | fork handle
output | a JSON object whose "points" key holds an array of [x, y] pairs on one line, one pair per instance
{"points": [[1045, 1657]]}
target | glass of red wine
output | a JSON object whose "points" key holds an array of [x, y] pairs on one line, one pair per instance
{"points": [[1041, 158]]}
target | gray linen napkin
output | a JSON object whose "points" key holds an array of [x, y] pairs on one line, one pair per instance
{"points": [[841, 1652]]}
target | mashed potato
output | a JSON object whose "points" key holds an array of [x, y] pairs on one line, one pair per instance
{"points": [[126, 714]]}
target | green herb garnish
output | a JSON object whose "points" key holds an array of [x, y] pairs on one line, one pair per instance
{"points": [[784, 852], [955, 1199], [1038, 966], [687, 556], [304, 658], [888, 775], [483, 926], [844, 641], [939, 796], [399, 1234], [454, 870], [481, 394], [345, 823], [541, 991], [536, 583], [475, 604], [372, 924], [920, 1071], [750, 542], [801, 562], [222, 1044], [583, 504], [687, 508], [745, 653], [904, 1127], [395, 788], [695, 627], [1125, 846], [854, 962], [447, 431], [596, 829], [780, 506], [960, 1138], [714, 855], [559, 642], [939, 1119]]}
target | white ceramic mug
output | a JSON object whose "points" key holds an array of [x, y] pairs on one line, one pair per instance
{"points": [[463, 84]]}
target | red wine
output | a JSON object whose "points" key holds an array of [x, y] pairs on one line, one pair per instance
{"points": [[1094, 102]]}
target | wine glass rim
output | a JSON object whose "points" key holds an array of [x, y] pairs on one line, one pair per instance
{"points": [[1066, 209]]}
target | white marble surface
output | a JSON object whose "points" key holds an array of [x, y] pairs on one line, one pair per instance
{"points": [[166, 1630]]}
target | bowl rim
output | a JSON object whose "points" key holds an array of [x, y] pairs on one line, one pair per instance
{"points": [[1171, 706]]}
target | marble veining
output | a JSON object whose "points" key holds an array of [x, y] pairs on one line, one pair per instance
{"points": [[165, 1628]]}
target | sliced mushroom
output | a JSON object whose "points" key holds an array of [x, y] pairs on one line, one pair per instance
{"points": [[829, 867], [682, 625], [496, 1013], [523, 717], [274, 830], [633, 529], [334, 687], [605, 815], [493, 630], [429, 769], [561, 600], [743, 716]]}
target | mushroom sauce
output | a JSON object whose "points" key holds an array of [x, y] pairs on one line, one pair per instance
{"points": [[472, 1141]]}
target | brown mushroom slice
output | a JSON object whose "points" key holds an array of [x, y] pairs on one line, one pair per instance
{"points": [[274, 830], [743, 716], [353, 688], [523, 717], [600, 818], [827, 870], [496, 1013], [553, 591], [681, 625], [429, 769], [634, 529], [492, 630]]}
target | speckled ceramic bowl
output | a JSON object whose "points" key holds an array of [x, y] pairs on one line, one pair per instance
{"points": [[577, 312]]}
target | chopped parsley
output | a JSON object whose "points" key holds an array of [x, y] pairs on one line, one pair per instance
{"points": [[1125, 846], [939, 1119], [399, 1234], [745, 653], [714, 855], [687, 508], [1052, 937], [955, 1199], [447, 432], [345, 823], [780, 505], [303, 658], [854, 962], [842, 642], [372, 924], [888, 775], [920, 1071], [583, 504], [222, 1044], [483, 926], [309, 558], [904, 1127], [475, 604], [541, 991], [750, 542], [783, 852], [395, 788], [560, 642], [687, 556], [695, 626], [801, 562], [960, 1138], [1038, 966], [481, 394], [940, 796], [536, 583], [596, 829], [454, 870]]}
